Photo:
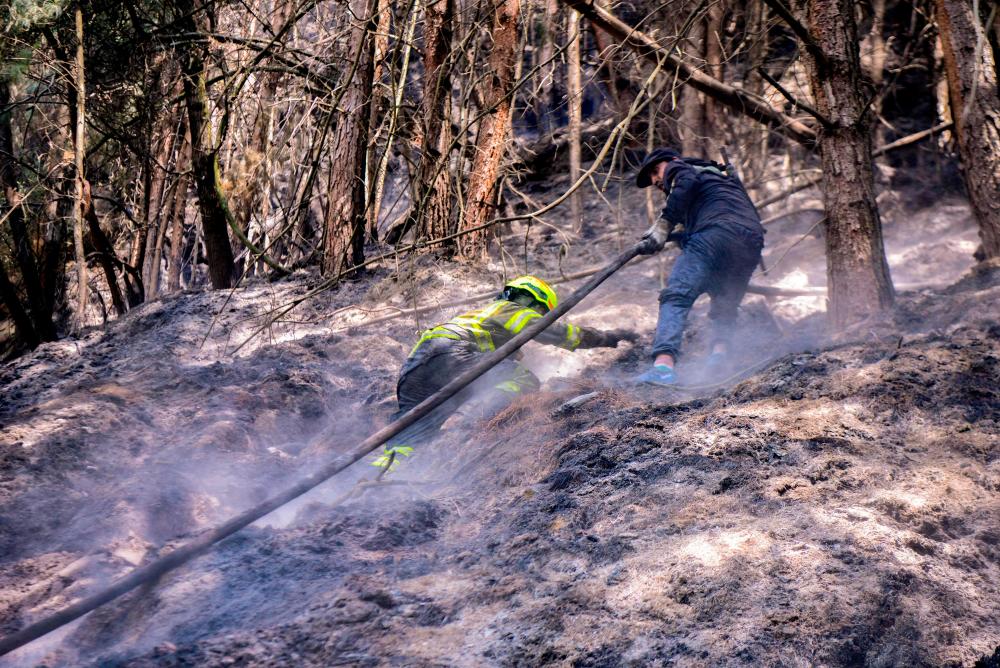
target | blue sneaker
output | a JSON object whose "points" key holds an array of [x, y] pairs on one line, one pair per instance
{"points": [[660, 374]]}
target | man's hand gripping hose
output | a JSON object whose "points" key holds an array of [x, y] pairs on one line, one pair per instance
{"points": [[655, 238]]}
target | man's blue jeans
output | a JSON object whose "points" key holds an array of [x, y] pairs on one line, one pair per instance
{"points": [[718, 260]]}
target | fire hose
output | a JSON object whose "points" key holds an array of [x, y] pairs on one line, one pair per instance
{"points": [[201, 544]]}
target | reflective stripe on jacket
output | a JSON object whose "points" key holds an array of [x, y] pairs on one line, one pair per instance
{"points": [[493, 325]]}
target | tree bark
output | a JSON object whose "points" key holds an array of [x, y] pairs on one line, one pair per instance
{"points": [[692, 120], [857, 272], [156, 248], [975, 108], [995, 42], [756, 19], [344, 227], [574, 95], [106, 256], [714, 126], [433, 211], [151, 98], [215, 216], [180, 212], [22, 322], [545, 78], [253, 192], [79, 150], [374, 179], [491, 139], [399, 87], [56, 209], [40, 317], [156, 204], [879, 53]]}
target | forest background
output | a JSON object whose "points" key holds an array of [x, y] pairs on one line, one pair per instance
{"points": [[148, 147]]}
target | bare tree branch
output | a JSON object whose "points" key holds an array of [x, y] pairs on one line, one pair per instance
{"points": [[736, 99]]}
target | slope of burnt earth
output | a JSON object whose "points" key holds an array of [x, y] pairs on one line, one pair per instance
{"points": [[838, 508]]}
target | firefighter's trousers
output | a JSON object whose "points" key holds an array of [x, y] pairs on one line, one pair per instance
{"points": [[439, 361]]}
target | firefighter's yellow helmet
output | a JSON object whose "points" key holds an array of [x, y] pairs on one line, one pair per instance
{"points": [[538, 289]]}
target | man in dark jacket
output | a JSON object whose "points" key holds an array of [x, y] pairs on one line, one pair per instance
{"points": [[447, 350], [721, 242]]}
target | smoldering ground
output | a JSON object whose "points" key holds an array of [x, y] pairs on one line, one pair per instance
{"points": [[802, 515], [118, 444], [817, 513], [835, 508]]}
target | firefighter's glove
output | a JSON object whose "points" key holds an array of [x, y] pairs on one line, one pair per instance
{"points": [[386, 457], [654, 239], [615, 336]]}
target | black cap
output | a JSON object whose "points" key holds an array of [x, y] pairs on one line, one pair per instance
{"points": [[652, 160]]}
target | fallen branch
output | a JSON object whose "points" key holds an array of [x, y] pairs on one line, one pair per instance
{"points": [[540, 154], [891, 146], [771, 291], [789, 215], [793, 100], [737, 99], [430, 308], [912, 139], [800, 31], [766, 290]]}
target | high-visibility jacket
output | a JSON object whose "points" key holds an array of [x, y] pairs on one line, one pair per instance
{"points": [[493, 325]]}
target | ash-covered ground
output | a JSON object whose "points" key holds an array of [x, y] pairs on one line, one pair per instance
{"points": [[836, 503]]}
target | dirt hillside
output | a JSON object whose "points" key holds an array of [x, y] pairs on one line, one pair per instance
{"points": [[836, 502]]}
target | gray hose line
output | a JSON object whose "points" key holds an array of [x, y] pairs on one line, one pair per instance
{"points": [[184, 553]]}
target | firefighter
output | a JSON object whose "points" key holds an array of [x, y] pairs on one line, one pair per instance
{"points": [[721, 244], [445, 351]]}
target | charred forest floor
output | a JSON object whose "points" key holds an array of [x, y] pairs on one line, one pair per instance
{"points": [[837, 503]]}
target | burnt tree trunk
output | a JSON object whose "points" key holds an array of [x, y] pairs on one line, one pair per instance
{"points": [[616, 79], [40, 317], [574, 98], [344, 227], [204, 156], [22, 322], [156, 204], [180, 211], [975, 109], [701, 126], [545, 77], [692, 120], [433, 212], [79, 152], [155, 250], [150, 130], [714, 124], [106, 256], [491, 139], [379, 115], [52, 261], [858, 279], [252, 195]]}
